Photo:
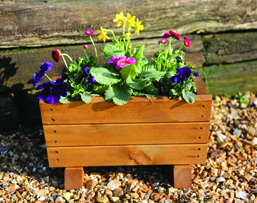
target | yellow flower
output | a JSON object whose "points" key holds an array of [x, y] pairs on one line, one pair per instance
{"points": [[138, 27], [102, 35], [130, 20], [127, 36], [119, 19]]}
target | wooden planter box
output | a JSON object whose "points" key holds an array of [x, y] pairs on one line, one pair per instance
{"points": [[155, 131]]}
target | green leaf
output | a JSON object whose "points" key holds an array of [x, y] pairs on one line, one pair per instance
{"points": [[85, 97], [104, 76], [98, 88], [139, 54], [148, 67], [64, 100], [188, 96], [110, 50], [137, 84], [152, 75], [129, 71], [120, 94], [142, 94], [151, 89], [168, 76]]}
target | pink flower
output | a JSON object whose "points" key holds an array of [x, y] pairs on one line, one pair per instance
{"points": [[166, 34], [113, 61], [89, 32], [85, 46], [164, 41], [124, 62], [175, 35], [56, 55], [186, 41]]}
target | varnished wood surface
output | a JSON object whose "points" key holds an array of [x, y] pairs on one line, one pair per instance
{"points": [[182, 176], [127, 155], [121, 134], [137, 110], [73, 178]]}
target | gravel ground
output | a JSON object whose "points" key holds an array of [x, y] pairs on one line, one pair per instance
{"points": [[229, 175]]}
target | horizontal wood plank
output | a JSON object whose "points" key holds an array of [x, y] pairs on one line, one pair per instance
{"points": [[127, 155], [52, 23], [137, 110], [121, 134]]}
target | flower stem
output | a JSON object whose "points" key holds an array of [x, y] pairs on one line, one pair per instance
{"points": [[181, 48], [85, 53], [48, 77], [64, 60], [68, 57], [94, 46]]}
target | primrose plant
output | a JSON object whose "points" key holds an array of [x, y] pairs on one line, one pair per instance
{"points": [[126, 71]]}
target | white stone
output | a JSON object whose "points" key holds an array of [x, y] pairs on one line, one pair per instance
{"points": [[111, 185], [220, 179], [254, 140]]}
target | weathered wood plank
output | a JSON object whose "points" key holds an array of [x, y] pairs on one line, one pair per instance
{"points": [[127, 155], [120, 134], [17, 68], [230, 48], [230, 78], [52, 22], [138, 109]]}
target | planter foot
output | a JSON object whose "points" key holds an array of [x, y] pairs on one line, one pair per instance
{"points": [[73, 178], [182, 176]]}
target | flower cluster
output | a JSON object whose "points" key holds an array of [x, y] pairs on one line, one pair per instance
{"points": [[121, 61], [126, 70]]}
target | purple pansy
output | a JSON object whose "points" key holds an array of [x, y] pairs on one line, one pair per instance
{"points": [[179, 59], [52, 91], [90, 80], [196, 74], [124, 62], [114, 59], [47, 66], [183, 74], [86, 71]]}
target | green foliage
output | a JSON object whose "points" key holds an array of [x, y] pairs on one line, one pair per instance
{"points": [[104, 76]]}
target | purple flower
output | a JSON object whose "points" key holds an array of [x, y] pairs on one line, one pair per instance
{"points": [[52, 91], [124, 62], [47, 66], [114, 59], [166, 34], [179, 59], [183, 74], [86, 71], [196, 74], [85, 46], [175, 79], [90, 80]]}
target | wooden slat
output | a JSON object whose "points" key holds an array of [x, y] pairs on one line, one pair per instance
{"points": [[127, 155], [120, 134], [200, 86], [73, 178], [137, 110]]}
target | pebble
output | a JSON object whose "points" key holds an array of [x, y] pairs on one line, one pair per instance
{"points": [[111, 185]]}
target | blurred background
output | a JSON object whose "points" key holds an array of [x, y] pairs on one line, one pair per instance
{"points": [[223, 38]]}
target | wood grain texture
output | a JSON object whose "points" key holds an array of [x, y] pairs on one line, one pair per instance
{"points": [[182, 176], [137, 110], [51, 22], [73, 178], [121, 155], [121, 134]]}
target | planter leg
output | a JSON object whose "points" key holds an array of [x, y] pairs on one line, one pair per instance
{"points": [[182, 176], [73, 178]]}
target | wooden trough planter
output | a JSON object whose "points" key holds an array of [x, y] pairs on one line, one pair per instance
{"points": [[155, 131]]}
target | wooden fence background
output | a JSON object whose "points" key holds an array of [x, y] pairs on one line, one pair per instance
{"points": [[223, 35]]}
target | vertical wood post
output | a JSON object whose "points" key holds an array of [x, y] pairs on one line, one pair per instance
{"points": [[73, 178], [182, 176]]}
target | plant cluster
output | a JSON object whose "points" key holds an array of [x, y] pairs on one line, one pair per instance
{"points": [[126, 71]]}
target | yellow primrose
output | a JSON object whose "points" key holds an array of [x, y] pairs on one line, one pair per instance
{"points": [[102, 35], [130, 20], [119, 19], [127, 36], [138, 27]]}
